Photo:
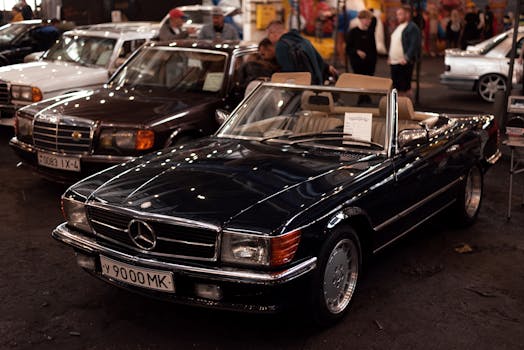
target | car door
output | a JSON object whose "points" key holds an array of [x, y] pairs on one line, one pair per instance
{"points": [[422, 185]]}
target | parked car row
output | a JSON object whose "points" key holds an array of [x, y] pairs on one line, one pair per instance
{"points": [[280, 201], [164, 95]]}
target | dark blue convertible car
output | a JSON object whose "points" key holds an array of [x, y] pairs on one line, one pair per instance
{"points": [[285, 202]]}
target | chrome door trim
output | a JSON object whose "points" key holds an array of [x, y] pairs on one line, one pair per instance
{"points": [[414, 226], [417, 205]]}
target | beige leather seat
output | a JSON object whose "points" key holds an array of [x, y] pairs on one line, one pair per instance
{"points": [[314, 116], [407, 118], [298, 78], [359, 81]]}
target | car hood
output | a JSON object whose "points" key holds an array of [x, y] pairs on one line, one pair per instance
{"points": [[225, 182], [50, 76], [123, 106]]}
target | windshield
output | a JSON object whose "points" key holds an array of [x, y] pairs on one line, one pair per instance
{"points": [[10, 31], [308, 115], [84, 50], [174, 69]]}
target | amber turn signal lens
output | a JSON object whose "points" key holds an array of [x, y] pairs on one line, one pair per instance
{"points": [[145, 139], [37, 94], [283, 248]]}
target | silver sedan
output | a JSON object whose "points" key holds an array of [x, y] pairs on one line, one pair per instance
{"points": [[483, 67]]}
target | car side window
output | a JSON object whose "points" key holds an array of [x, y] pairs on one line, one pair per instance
{"points": [[129, 46], [241, 63]]}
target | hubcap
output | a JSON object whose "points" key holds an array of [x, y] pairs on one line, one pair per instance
{"points": [[473, 192], [489, 86], [340, 276]]}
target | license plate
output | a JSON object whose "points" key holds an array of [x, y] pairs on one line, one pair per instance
{"points": [[58, 162], [137, 276]]}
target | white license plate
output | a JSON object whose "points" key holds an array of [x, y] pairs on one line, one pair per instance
{"points": [[58, 162], [137, 276]]}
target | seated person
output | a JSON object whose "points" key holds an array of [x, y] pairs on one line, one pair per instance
{"points": [[260, 67]]}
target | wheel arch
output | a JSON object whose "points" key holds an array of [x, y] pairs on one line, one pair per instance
{"points": [[358, 219]]}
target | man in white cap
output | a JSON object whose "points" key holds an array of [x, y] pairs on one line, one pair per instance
{"points": [[218, 30]]}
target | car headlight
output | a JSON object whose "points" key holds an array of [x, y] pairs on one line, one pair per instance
{"points": [[75, 214], [138, 140], [249, 249], [26, 93], [23, 126]]}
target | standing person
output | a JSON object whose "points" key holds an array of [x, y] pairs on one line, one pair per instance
{"points": [[218, 30], [489, 22], [296, 54], [361, 47], [453, 29], [17, 14], [27, 11], [472, 21], [404, 50], [172, 29]]}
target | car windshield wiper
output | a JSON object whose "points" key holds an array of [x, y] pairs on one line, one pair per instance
{"points": [[332, 135]]}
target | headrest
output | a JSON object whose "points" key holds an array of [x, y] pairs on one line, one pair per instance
{"points": [[298, 78], [322, 102], [405, 108], [359, 81]]}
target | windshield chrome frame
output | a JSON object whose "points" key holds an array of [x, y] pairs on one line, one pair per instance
{"points": [[387, 149], [392, 124]]}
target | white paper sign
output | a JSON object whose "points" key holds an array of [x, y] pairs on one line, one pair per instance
{"points": [[213, 82], [358, 125]]}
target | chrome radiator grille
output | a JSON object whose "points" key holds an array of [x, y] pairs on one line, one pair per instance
{"points": [[172, 240], [5, 97], [62, 137]]}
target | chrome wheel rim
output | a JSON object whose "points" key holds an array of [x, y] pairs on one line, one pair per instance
{"points": [[473, 192], [340, 276], [489, 85]]}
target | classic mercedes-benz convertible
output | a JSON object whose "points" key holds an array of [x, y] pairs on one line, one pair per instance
{"points": [[285, 202]]}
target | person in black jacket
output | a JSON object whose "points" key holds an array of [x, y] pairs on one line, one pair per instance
{"points": [[361, 47], [27, 11], [296, 54]]}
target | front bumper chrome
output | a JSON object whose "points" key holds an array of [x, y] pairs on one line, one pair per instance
{"points": [[90, 246]]}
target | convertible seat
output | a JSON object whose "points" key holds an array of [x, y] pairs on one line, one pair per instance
{"points": [[359, 81], [298, 78], [314, 116], [407, 118]]}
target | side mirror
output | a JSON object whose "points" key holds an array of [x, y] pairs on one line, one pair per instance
{"points": [[412, 137], [221, 116]]}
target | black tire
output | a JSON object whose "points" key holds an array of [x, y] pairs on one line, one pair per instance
{"points": [[334, 283], [489, 84], [469, 197]]}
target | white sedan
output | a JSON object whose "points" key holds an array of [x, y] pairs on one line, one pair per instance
{"points": [[483, 67], [82, 59]]}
